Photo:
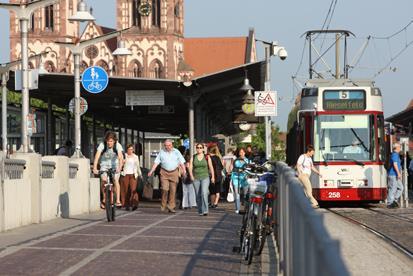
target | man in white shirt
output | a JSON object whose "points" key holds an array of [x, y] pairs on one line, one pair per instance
{"points": [[304, 168], [353, 148]]}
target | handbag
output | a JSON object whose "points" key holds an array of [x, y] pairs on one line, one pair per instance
{"points": [[147, 191], [230, 196]]}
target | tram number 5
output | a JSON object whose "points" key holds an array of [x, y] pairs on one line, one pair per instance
{"points": [[334, 195]]}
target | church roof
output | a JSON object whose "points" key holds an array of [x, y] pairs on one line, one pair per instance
{"points": [[213, 54], [111, 43]]}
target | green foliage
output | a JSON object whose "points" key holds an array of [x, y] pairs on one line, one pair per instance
{"points": [[258, 141]]}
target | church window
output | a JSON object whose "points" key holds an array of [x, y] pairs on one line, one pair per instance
{"points": [[104, 65], [136, 17], [156, 70], [48, 18], [156, 13], [135, 69]]}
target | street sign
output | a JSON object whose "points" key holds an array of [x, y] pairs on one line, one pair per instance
{"points": [[265, 103], [83, 106], [95, 79], [144, 97], [33, 80]]}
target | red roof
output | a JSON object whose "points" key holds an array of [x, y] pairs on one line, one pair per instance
{"points": [[210, 55]]}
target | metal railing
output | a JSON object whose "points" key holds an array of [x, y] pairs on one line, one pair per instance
{"points": [[14, 168], [305, 247], [48, 168], [73, 168]]}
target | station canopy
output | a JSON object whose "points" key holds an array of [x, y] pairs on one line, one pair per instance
{"points": [[218, 93]]}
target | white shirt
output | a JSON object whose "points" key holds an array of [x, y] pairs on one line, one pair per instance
{"points": [[305, 163], [132, 165]]}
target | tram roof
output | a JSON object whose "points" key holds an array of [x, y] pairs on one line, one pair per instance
{"points": [[217, 93]]}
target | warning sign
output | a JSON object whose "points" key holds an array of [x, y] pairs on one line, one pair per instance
{"points": [[265, 103]]}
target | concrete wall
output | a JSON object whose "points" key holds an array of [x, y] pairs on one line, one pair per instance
{"points": [[79, 187], [94, 195], [17, 203]]}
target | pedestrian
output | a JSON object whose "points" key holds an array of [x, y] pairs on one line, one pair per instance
{"points": [[108, 156], [395, 185], [248, 153], [200, 166], [238, 177], [304, 167], [179, 188], [215, 187], [227, 160], [188, 189], [169, 160], [131, 173], [65, 150]]}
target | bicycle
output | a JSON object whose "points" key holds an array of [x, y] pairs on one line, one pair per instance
{"points": [[110, 194], [94, 85]]}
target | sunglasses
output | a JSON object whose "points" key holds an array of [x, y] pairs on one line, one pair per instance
{"points": [[199, 147]]}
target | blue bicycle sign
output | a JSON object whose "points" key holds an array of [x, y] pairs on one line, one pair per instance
{"points": [[95, 79]]}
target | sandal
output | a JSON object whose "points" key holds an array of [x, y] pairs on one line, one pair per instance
{"points": [[119, 205], [103, 205]]}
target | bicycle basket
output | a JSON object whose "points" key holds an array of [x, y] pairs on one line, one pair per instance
{"points": [[257, 187]]}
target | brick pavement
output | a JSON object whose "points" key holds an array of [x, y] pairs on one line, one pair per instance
{"points": [[144, 242]]}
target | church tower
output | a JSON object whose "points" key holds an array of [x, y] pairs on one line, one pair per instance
{"points": [[46, 26], [155, 37]]}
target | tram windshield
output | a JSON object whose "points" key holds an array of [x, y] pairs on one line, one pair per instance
{"points": [[344, 138]]}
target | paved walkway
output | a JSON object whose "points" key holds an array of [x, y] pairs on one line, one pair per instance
{"points": [[364, 253], [144, 242]]}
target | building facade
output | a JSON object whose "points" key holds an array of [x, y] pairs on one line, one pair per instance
{"points": [[154, 36]]}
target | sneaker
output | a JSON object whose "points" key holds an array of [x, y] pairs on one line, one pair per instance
{"points": [[163, 209], [200, 214], [236, 211], [393, 205], [171, 210]]}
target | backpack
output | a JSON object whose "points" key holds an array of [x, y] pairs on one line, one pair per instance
{"points": [[105, 148], [57, 150]]}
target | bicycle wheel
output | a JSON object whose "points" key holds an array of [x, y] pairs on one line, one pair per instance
{"points": [[108, 204], [262, 230], [113, 206], [251, 240]]}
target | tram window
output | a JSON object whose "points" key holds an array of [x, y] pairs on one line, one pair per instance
{"points": [[381, 138], [343, 137]]}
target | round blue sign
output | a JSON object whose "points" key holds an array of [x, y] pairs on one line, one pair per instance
{"points": [[95, 79], [186, 143]]}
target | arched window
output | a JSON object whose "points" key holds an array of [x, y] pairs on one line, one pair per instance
{"points": [[156, 70], [83, 67], [136, 17], [104, 65], [156, 13], [49, 66], [48, 18], [135, 69]]}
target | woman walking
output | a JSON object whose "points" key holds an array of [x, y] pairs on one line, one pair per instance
{"points": [[199, 168], [215, 187], [131, 172], [188, 190], [238, 177]]}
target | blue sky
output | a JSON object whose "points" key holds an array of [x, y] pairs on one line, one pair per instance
{"points": [[285, 22]]}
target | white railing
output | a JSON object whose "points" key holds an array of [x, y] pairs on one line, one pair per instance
{"points": [[73, 168], [14, 168], [305, 247]]}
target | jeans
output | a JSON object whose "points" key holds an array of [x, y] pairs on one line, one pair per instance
{"points": [[395, 189], [188, 199], [202, 191], [237, 196]]}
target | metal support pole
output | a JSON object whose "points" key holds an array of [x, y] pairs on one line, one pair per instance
{"points": [[337, 56], [94, 138], [4, 112], [143, 150], [267, 88], [25, 139], [310, 67], [78, 131], [191, 125], [49, 126]]}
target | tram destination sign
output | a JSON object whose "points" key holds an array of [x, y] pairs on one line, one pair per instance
{"points": [[344, 100]]}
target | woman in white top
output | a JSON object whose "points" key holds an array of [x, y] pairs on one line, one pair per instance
{"points": [[131, 171], [304, 168]]}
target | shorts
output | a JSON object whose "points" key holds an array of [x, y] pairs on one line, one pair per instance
{"points": [[104, 175]]}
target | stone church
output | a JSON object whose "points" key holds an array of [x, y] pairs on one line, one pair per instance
{"points": [[155, 38]]}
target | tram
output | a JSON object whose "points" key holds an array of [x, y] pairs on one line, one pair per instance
{"points": [[343, 119]]}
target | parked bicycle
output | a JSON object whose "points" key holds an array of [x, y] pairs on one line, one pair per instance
{"points": [[257, 219], [110, 193]]}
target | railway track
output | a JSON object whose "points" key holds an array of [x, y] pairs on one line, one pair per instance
{"points": [[382, 233]]}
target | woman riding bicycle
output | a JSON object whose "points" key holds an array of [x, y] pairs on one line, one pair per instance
{"points": [[238, 177], [109, 156]]}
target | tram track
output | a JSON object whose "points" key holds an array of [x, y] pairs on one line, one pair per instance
{"points": [[375, 231]]}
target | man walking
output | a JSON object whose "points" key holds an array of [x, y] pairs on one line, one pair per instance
{"points": [[395, 185], [169, 159]]}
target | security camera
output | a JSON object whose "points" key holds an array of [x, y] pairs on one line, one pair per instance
{"points": [[282, 53]]}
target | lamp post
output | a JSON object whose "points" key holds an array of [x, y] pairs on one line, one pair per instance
{"points": [[271, 49], [77, 49], [23, 12]]}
